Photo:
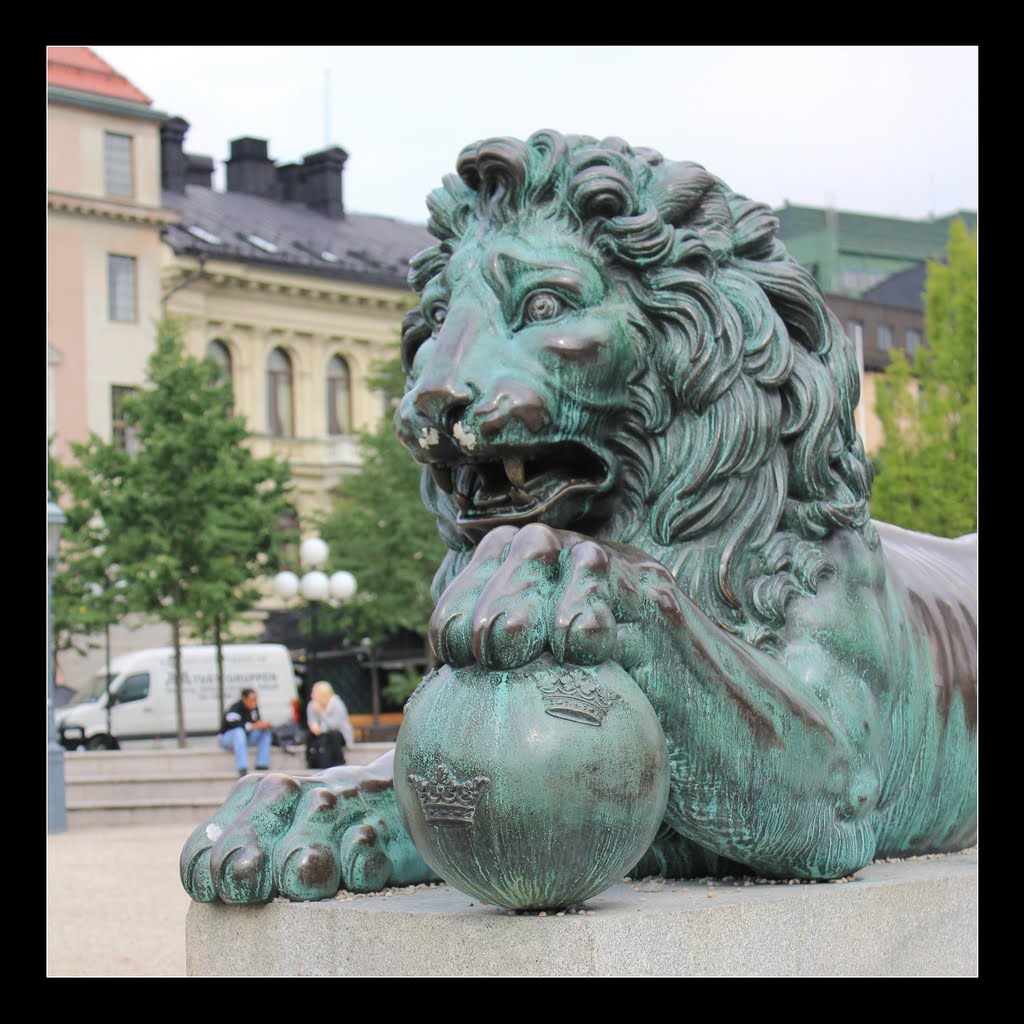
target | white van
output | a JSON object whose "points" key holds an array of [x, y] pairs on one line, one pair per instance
{"points": [[142, 694]]}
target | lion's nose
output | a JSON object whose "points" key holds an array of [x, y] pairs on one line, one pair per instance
{"points": [[443, 403]]}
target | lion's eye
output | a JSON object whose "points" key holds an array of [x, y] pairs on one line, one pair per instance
{"points": [[542, 306], [438, 311]]}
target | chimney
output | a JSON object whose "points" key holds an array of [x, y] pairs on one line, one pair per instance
{"points": [[321, 181], [251, 170], [198, 170], [172, 156], [289, 180]]}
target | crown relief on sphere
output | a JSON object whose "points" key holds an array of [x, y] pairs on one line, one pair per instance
{"points": [[572, 697], [446, 799]]}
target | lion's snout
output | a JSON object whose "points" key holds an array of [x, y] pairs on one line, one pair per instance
{"points": [[442, 403], [442, 414]]}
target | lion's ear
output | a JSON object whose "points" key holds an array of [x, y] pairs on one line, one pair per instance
{"points": [[686, 194]]}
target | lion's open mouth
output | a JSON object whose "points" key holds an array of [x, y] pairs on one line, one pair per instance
{"points": [[521, 486]]}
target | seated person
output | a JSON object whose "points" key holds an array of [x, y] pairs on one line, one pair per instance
{"points": [[327, 718], [241, 728]]}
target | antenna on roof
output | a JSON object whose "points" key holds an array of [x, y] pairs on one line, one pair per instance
{"points": [[327, 107]]}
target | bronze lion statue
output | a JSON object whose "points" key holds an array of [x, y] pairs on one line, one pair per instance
{"points": [[635, 414]]}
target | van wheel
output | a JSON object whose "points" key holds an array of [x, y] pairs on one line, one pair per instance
{"points": [[102, 742]]}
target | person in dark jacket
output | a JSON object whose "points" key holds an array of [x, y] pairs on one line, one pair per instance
{"points": [[241, 728]]}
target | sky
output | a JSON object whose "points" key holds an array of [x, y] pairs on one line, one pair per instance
{"points": [[891, 130]]}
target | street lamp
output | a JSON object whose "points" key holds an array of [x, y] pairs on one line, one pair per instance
{"points": [[315, 586], [97, 591], [56, 808]]}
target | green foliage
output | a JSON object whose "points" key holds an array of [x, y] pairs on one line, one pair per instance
{"points": [[401, 684], [85, 596], [928, 464], [379, 531], [388, 377], [192, 519]]}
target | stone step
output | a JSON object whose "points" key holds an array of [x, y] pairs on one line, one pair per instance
{"points": [[125, 763], [166, 786], [169, 811], [143, 788], [171, 761]]}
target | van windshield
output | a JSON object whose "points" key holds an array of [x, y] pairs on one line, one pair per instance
{"points": [[92, 690]]}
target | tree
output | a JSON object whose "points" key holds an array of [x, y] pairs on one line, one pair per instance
{"points": [[86, 599], [379, 531], [928, 464], [193, 518]]}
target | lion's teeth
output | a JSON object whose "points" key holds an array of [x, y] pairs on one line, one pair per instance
{"points": [[514, 471], [442, 477]]}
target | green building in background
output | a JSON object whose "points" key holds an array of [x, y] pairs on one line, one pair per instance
{"points": [[849, 253], [872, 270]]}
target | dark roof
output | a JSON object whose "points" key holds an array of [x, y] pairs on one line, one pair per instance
{"points": [[370, 249], [871, 233], [904, 289]]}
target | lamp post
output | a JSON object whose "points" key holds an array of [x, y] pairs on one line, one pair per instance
{"points": [[56, 808], [315, 586], [97, 591]]}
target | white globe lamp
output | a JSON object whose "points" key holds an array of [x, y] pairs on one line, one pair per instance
{"points": [[313, 552], [342, 585], [286, 585], [315, 586]]}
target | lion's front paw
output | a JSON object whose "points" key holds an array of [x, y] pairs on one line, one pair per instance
{"points": [[303, 839], [537, 589], [229, 857]]}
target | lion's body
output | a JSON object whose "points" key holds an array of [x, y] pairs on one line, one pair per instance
{"points": [[816, 683], [635, 414], [933, 591]]}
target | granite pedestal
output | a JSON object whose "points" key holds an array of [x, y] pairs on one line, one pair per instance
{"points": [[912, 918]]}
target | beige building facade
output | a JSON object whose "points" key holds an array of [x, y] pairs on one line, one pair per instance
{"points": [[118, 257], [135, 230], [320, 325], [104, 253]]}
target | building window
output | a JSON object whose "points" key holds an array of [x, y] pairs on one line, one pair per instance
{"points": [[913, 342], [279, 394], [884, 337], [339, 416], [122, 434], [121, 287], [221, 355], [117, 164]]}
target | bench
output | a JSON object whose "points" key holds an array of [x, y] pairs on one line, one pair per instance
{"points": [[384, 730]]}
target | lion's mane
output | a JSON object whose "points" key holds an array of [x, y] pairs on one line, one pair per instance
{"points": [[739, 453]]}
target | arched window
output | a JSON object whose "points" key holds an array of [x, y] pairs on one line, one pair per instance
{"points": [[280, 421], [339, 402], [221, 355]]}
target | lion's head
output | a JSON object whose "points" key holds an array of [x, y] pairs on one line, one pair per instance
{"points": [[615, 343]]}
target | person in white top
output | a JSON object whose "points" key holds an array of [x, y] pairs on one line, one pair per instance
{"points": [[328, 721]]}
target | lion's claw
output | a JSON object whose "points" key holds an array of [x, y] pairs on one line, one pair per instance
{"points": [[541, 590], [241, 871], [365, 864], [194, 862], [308, 872]]}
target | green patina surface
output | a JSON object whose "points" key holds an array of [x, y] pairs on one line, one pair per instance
{"points": [[635, 416], [500, 772]]}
